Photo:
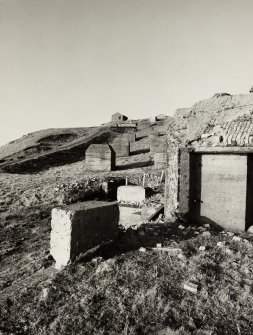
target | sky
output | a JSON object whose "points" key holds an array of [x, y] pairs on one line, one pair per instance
{"points": [[73, 63]]}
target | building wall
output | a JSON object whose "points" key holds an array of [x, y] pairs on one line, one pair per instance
{"points": [[223, 189], [121, 147]]}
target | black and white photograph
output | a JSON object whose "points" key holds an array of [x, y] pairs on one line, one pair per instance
{"points": [[126, 167]]}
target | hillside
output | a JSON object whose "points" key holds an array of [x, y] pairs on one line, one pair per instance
{"points": [[119, 288], [54, 147]]}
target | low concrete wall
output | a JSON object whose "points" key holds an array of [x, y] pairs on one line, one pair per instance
{"points": [[80, 227], [131, 193]]}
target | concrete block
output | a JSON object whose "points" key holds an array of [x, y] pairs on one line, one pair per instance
{"points": [[100, 157], [129, 216], [131, 193], [80, 227]]}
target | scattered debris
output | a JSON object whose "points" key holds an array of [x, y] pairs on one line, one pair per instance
{"points": [[250, 230], [206, 225], [228, 251], [159, 245], [206, 234], [191, 287], [229, 233], [181, 227], [221, 244], [236, 238], [202, 248], [97, 260], [142, 249], [169, 250]]}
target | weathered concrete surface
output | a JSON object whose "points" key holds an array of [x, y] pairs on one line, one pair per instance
{"points": [[130, 216], [99, 157], [135, 161], [147, 212], [160, 160], [121, 146], [131, 193], [158, 144], [79, 227], [223, 190], [140, 146], [171, 180], [184, 181]]}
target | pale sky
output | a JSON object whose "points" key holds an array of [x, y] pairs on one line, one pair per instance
{"points": [[73, 63]]}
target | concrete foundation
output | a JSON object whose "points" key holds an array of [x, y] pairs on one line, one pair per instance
{"points": [[80, 227], [131, 193]]}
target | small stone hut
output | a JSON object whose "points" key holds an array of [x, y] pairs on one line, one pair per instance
{"points": [[118, 117]]}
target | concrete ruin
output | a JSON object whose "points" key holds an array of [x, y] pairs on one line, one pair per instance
{"points": [[211, 180], [80, 227], [118, 117], [100, 157], [121, 147]]}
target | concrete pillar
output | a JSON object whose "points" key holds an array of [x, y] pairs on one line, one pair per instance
{"points": [[184, 181], [171, 181], [80, 227]]}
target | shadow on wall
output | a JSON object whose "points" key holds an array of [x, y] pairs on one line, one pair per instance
{"points": [[134, 165]]}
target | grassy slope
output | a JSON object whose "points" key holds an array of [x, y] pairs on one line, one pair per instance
{"points": [[128, 292], [142, 293]]}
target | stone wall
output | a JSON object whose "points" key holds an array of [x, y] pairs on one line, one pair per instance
{"points": [[100, 157], [80, 227]]}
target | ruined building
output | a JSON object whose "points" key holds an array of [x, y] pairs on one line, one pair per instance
{"points": [[210, 163]]}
